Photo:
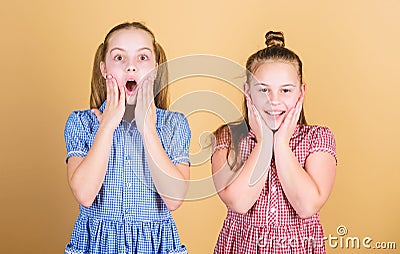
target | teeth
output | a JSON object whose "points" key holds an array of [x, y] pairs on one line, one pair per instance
{"points": [[275, 113]]}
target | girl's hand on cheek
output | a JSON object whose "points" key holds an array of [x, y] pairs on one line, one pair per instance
{"points": [[257, 124], [145, 111], [115, 107], [284, 133]]}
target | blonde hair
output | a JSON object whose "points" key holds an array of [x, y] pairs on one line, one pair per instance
{"points": [[98, 92]]}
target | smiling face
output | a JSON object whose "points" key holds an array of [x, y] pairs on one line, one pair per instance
{"points": [[275, 91], [129, 58]]}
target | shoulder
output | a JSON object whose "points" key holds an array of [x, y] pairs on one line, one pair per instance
{"points": [[169, 118], [81, 118], [313, 131], [308, 139], [319, 138]]}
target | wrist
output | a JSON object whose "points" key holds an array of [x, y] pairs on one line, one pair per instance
{"points": [[266, 137], [149, 134], [106, 129], [281, 146]]}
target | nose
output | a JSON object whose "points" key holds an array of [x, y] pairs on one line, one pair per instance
{"points": [[273, 98], [130, 68]]}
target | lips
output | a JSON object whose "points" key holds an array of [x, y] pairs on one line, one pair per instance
{"points": [[130, 85], [275, 113]]}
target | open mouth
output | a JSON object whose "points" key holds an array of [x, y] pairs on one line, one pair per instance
{"points": [[130, 85]]}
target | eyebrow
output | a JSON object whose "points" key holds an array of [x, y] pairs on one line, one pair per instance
{"points": [[263, 84], [121, 49]]}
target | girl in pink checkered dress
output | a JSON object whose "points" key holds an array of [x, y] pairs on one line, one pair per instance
{"points": [[273, 171]]}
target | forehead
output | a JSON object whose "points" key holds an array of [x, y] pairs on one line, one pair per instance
{"points": [[130, 39], [276, 73]]}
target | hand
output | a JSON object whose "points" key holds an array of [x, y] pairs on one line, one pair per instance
{"points": [[257, 124], [115, 108], [284, 133], [264, 137], [145, 111]]}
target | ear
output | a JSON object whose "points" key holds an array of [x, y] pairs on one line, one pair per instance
{"points": [[103, 69], [246, 88], [303, 89]]}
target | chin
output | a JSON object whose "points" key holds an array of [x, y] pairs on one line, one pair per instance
{"points": [[274, 126], [131, 100]]}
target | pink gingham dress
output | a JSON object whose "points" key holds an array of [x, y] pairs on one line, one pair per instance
{"points": [[272, 225]]}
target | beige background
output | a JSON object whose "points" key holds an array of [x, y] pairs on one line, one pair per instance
{"points": [[351, 62]]}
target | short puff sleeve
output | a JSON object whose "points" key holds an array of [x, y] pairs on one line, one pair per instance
{"points": [[76, 135], [178, 148], [323, 141]]}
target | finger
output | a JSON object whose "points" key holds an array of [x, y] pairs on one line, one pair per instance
{"points": [[111, 94], [298, 109], [257, 115], [295, 116], [115, 89], [151, 88], [108, 91], [288, 119], [146, 89], [139, 97], [149, 95], [249, 107], [153, 73], [121, 96]]}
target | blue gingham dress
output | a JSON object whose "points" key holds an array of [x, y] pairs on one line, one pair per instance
{"points": [[127, 215]]}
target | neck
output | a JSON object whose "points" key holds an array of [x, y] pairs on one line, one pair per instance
{"points": [[129, 114]]}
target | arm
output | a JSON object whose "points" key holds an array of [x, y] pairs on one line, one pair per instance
{"points": [[306, 189], [171, 181], [237, 190], [86, 175]]}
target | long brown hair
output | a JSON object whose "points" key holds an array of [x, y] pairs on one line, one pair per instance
{"points": [[274, 51], [98, 92]]}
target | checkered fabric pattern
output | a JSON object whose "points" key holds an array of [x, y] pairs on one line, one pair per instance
{"points": [[128, 215], [272, 225]]}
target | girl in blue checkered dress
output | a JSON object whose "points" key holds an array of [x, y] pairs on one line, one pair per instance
{"points": [[127, 158]]}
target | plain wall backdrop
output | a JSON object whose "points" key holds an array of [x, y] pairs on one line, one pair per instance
{"points": [[351, 66]]}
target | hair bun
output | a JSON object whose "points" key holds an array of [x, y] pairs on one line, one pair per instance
{"points": [[274, 39]]}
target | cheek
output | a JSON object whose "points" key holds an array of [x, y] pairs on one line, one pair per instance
{"points": [[259, 97], [259, 100], [148, 66], [111, 67], [291, 103]]}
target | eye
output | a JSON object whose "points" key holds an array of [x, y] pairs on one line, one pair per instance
{"points": [[264, 90], [286, 90], [118, 58], [143, 57]]}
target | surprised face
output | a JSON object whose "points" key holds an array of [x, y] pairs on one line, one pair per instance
{"points": [[129, 59]]}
